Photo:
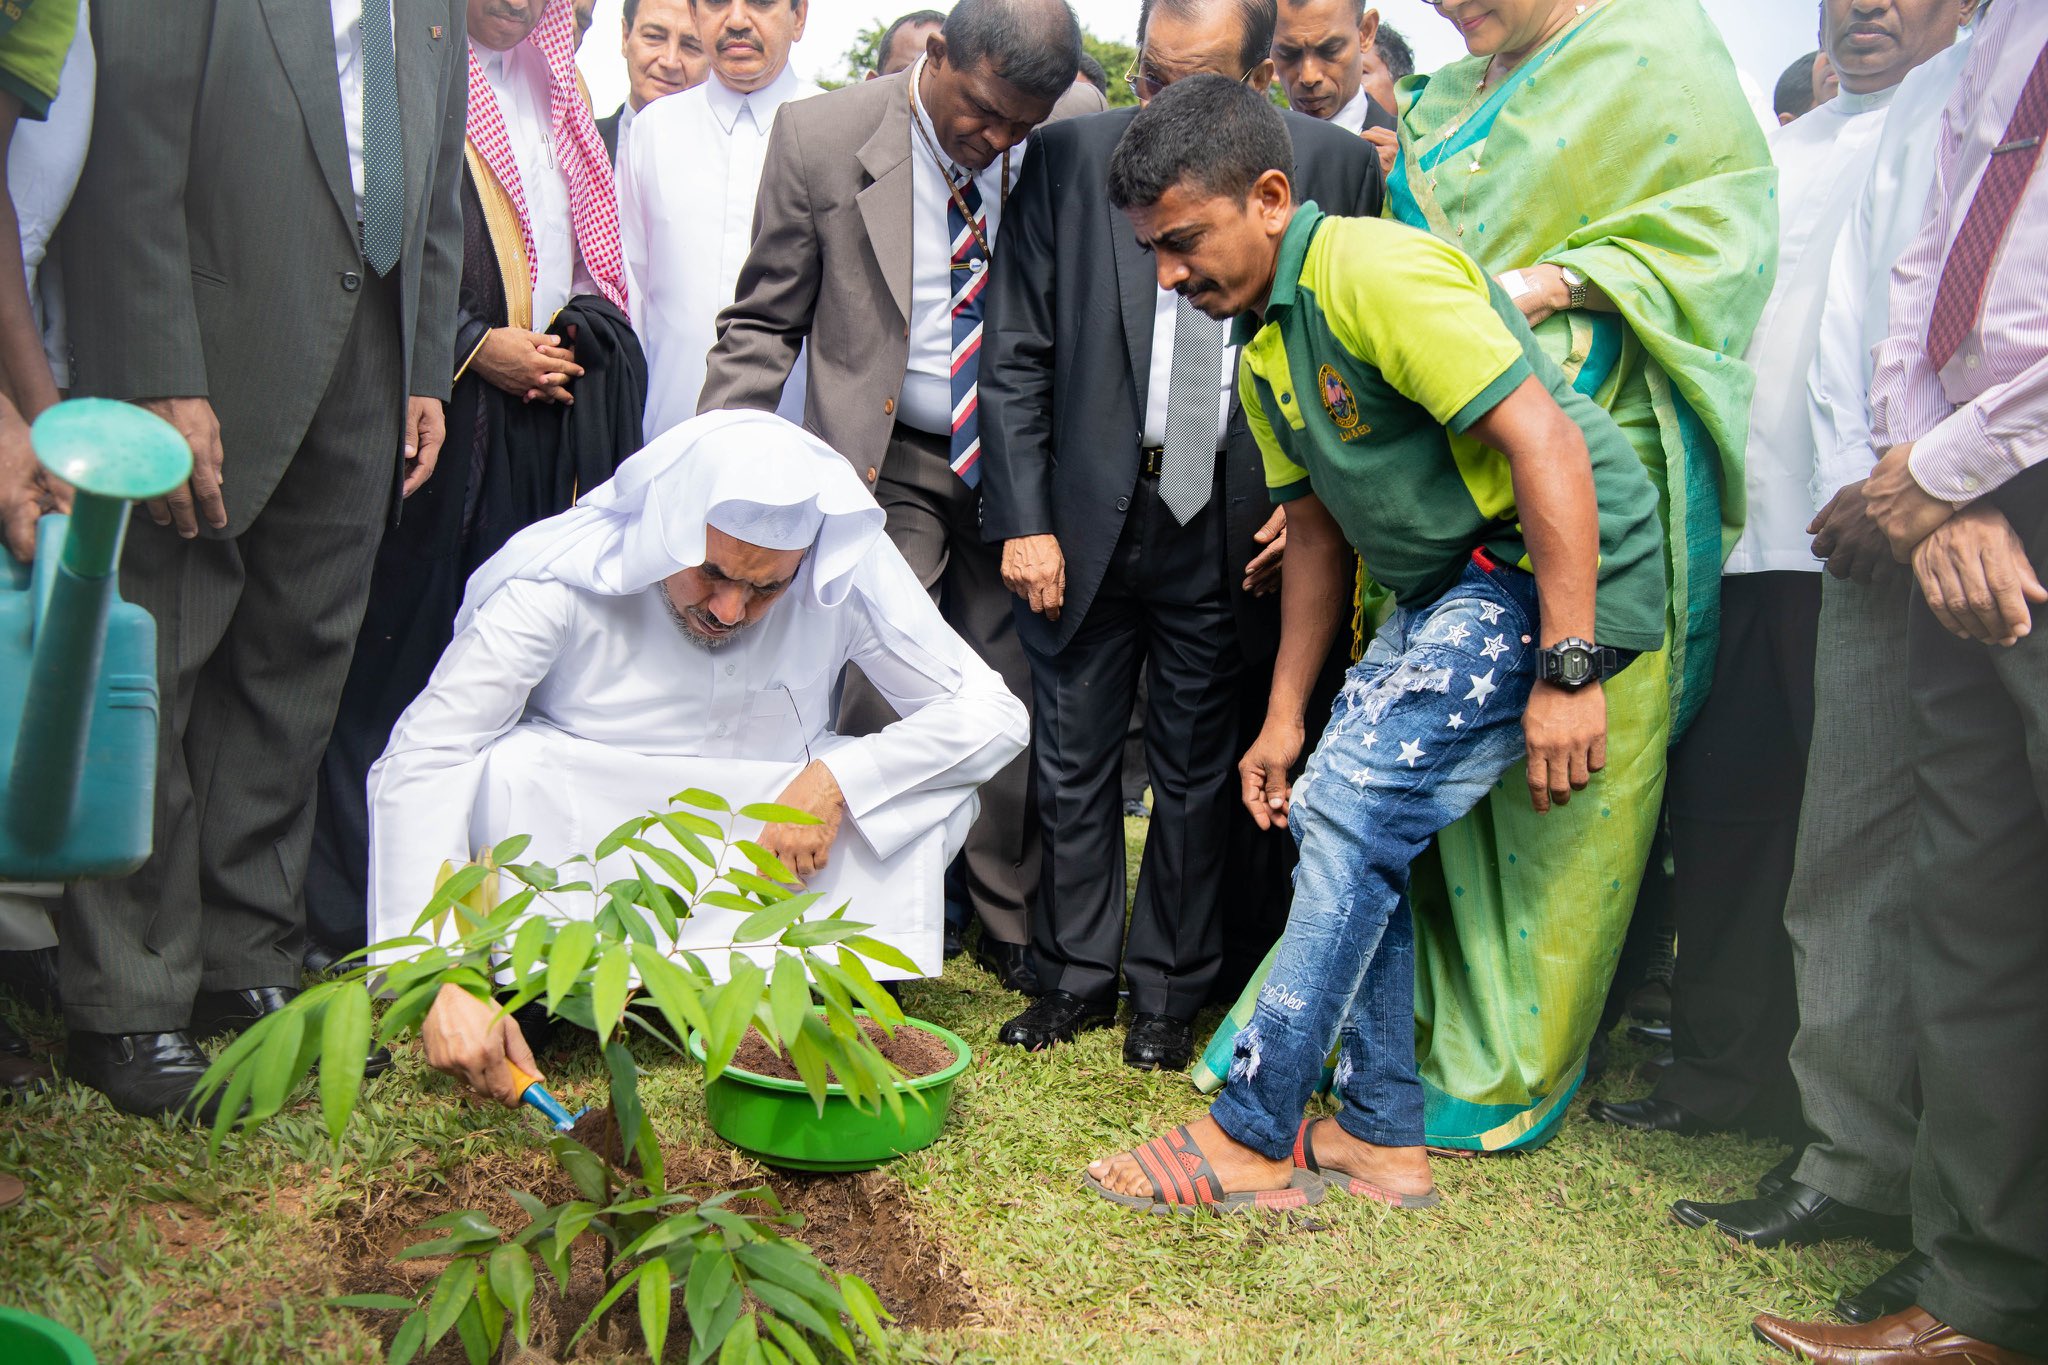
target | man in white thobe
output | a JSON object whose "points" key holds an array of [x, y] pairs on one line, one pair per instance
{"points": [[1736, 781], [687, 181], [685, 626]]}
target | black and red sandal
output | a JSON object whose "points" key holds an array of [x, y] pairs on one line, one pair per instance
{"points": [[1183, 1181], [1344, 1183]]}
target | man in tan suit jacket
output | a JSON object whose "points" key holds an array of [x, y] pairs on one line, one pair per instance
{"points": [[863, 246]]}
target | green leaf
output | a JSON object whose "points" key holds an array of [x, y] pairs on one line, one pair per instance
{"points": [[344, 1050], [477, 1339], [858, 979], [611, 1296], [864, 1306], [567, 957], [789, 997], [608, 991], [654, 1306], [682, 828], [768, 892], [575, 1217], [791, 1341], [666, 1233], [809, 1060], [511, 1278], [454, 1291], [618, 1059], [584, 1167], [554, 1254], [877, 951], [703, 800], [387, 1302], [460, 884], [789, 1306], [616, 840], [508, 849], [819, 932], [406, 1012], [710, 1284], [275, 1058], [527, 946], [406, 1343], [667, 860], [675, 994], [768, 864], [766, 924], [794, 1270], [732, 1009], [768, 813], [728, 900], [743, 1346]]}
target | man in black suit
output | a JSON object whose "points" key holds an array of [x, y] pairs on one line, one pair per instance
{"points": [[1130, 501], [664, 56]]}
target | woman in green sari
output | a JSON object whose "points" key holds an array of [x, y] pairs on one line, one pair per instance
{"points": [[1600, 159]]}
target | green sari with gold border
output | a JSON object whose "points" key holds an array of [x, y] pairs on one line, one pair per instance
{"points": [[1625, 150]]}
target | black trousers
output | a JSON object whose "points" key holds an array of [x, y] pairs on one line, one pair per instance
{"points": [[1164, 606], [254, 634], [1734, 791], [1978, 941]]}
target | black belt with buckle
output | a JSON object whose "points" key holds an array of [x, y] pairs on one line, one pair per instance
{"points": [[1151, 461]]}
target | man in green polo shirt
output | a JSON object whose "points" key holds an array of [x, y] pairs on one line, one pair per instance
{"points": [[1404, 409]]}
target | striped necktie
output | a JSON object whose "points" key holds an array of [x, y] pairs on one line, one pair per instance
{"points": [[970, 277], [1960, 298], [383, 150]]}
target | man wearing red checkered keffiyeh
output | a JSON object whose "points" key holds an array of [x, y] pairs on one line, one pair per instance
{"points": [[573, 142]]}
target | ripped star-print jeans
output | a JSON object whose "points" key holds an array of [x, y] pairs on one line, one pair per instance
{"points": [[1427, 723]]}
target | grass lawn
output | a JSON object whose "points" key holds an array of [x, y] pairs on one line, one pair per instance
{"points": [[132, 1238]]}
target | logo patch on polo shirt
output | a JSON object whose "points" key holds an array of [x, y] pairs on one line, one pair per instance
{"points": [[1340, 403]]}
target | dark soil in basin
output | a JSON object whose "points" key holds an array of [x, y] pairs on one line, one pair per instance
{"points": [[912, 1051]]}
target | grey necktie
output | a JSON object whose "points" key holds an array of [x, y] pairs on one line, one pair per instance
{"points": [[1193, 396], [383, 147]]}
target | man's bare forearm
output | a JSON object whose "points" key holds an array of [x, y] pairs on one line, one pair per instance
{"points": [[1557, 503]]}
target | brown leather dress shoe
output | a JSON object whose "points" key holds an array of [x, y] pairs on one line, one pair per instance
{"points": [[1914, 1335]]}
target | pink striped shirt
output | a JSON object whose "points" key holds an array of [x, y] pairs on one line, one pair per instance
{"points": [[1984, 417]]}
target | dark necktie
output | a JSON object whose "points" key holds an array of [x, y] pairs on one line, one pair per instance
{"points": [[383, 150], [969, 276], [1960, 299]]}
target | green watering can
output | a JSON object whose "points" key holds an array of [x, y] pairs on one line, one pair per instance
{"points": [[78, 696]]}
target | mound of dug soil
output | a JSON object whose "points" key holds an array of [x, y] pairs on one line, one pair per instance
{"points": [[859, 1224]]}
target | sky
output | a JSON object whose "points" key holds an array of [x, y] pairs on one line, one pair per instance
{"points": [[1764, 35]]}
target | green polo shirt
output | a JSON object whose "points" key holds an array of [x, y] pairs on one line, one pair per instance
{"points": [[34, 36], [1380, 347]]}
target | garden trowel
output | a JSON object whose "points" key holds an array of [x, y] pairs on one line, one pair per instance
{"points": [[538, 1096]]}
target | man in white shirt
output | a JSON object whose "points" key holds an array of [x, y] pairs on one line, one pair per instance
{"points": [[1321, 49], [1737, 780], [540, 217], [664, 56], [863, 253], [686, 196], [685, 625]]}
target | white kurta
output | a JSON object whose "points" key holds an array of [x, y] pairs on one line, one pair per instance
{"points": [[687, 182], [1887, 218], [559, 713], [1823, 161]]}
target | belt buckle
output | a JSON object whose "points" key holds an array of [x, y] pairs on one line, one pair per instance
{"points": [[1152, 461]]}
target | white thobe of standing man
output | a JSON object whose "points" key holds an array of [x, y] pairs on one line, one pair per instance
{"points": [[613, 655], [687, 180]]}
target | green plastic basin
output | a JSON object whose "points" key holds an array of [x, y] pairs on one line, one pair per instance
{"points": [[775, 1120], [26, 1339]]}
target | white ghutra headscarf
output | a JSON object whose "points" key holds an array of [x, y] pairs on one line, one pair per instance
{"points": [[753, 475]]}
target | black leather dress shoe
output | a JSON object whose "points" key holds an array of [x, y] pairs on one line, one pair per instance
{"points": [[956, 943], [1056, 1018], [1656, 1035], [220, 1012], [30, 975], [1159, 1042], [1646, 1115], [1797, 1215], [1892, 1292], [149, 1074], [1012, 964], [322, 958], [1773, 1180]]}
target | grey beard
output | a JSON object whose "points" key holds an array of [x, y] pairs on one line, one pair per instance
{"points": [[690, 632]]}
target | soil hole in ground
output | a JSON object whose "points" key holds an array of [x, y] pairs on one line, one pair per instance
{"points": [[912, 1051], [860, 1224]]}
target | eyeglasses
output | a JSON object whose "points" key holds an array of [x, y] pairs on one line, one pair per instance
{"points": [[1147, 88]]}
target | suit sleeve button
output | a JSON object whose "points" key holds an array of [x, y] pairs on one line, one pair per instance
{"points": [[351, 281], [871, 473], [889, 407], [1123, 504]]}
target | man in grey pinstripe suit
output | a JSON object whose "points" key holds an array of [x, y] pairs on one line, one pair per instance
{"points": [[269, 239]]}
